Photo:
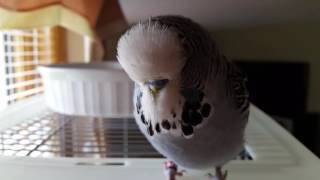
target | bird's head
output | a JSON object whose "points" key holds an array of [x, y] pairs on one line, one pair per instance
{"points": [[151, 55]]}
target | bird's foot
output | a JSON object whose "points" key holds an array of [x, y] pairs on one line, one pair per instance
{"points": [[219, 175], [171, 170]]}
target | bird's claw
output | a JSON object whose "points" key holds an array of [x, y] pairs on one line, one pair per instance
{"points": [[219, 175], [180, 173], [171, 170]]}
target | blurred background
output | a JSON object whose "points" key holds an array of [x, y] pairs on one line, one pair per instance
{"points": [[276, 43]]}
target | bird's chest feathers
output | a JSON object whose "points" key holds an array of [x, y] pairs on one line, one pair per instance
{"points": [[162, 106], [160, 114], [173, 110]]}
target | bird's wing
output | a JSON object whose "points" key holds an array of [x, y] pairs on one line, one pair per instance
{"points": [[236, 87]]}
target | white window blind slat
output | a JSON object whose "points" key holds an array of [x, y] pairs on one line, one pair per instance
{"points": [[25, 44], [27, 63], [29, 53], [25, 93], [21, 74], [24, 83]]}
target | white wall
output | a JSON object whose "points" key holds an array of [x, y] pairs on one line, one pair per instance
{"points": [[74, 47], [286, 42]]}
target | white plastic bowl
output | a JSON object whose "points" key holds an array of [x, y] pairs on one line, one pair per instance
{"points": [[96, 89]]}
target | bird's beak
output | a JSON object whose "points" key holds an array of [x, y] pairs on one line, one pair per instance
{"points": [[156, 85]]}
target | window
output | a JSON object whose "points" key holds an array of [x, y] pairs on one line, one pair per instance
{"points": [[21, 51]]}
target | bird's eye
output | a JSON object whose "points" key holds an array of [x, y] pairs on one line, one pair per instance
{"points": [[157, 84]]}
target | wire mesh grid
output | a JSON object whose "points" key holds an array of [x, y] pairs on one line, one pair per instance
{"points": [[56, 135]]}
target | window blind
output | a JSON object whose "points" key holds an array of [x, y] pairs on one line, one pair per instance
{"points": [[20, 53]]}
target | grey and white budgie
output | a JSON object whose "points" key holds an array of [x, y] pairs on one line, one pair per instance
{"points": [[190, 101]]}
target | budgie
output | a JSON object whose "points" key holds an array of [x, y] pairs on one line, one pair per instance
{"points": [[190, 101]]}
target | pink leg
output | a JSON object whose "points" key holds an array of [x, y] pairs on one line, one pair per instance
{"points": [[171, 170]]}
